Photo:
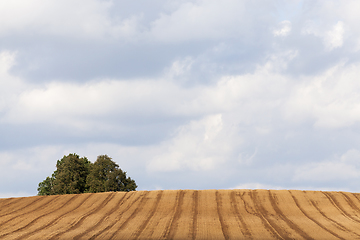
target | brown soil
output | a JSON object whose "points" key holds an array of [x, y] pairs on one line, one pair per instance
{"points": [[184, 214]]}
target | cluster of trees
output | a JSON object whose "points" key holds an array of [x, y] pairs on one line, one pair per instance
{"points": [[75, 175]]}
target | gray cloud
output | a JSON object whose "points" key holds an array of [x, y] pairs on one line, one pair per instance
{"points": [[194, 94]]}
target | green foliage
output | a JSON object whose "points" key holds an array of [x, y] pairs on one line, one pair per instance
{"points": [[71, 173], [105, 176], [75, 175], [46, 187]]}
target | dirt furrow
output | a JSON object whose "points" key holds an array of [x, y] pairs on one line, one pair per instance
{"points": [[159, 223], [150, 215], [247, 207], [314, 220], [341, 209], [336, 223], [105, 216], [269, 224], [184, 214], [235, 208], [182, 226], [79, 221], [141, 218], [62, 216], [5, 203], [7, 209], [224, 227], [292, 225], [254, 220], [141, 205], [356, 195], [172, 226], [120, 213], [208, 222], [36, 220], [48, 201], [351, 203], [75, 196], [195, 214], [36, 199]]}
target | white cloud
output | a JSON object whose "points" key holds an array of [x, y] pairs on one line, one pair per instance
{"points": [[334, 22], [350, 16], [332, 36], [247, 159], [284, 29], [199, 145], [257, 186], [326, 171], [81, 105], [179, 68], [241, 118], [351, 157], [21, 169], [31, 159], [73, 19], [7, 60], [10, 86], [192, 20], [91, 19], [64, 102], [199, 20], [335, 37], [330, 98], [341, 168]]}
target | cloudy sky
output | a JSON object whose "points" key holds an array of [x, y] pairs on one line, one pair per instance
{"points": [[182, 94]]}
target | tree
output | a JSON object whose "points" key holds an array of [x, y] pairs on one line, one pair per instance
{"points": [[68, 178], [71, 174], [78, 175], [46, 187], [105, 175]]}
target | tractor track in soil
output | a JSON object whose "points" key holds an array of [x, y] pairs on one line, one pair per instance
{"points": [[101, 220], [26, 213], [79, 221], [198, 214], [241, 222], [34, 221], [142, 203], [315, 220], [219, 206], [170, 229]]}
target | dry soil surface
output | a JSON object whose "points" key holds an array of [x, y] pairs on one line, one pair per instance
{"points": [[184, 214]]}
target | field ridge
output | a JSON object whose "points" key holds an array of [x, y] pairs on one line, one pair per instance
{"points": [[184, 214]]}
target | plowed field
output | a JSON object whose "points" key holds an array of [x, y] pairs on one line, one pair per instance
{"points": [[184, 214]]}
